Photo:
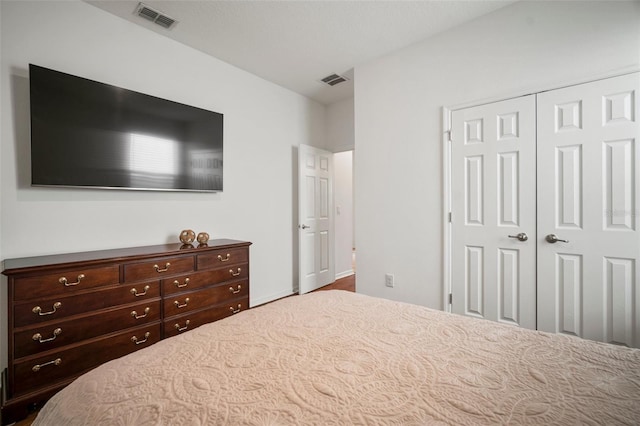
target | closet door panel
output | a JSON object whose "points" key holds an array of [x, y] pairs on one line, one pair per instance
{"points": [[493, 202], [588, 198]]}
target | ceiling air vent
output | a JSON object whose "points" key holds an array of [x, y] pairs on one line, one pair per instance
{"points": [[154, 15], [333, 79]]}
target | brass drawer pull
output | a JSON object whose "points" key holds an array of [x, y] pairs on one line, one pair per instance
{"points": [[177, 283], [235, 311], [236, 291], [38, 337], [186, 325], [136, 316], [63, 280], [226, 259], [37, 367], [136, 294], [135, 340], [166, 268], [178, 305], [235, 274], [38, 309]]}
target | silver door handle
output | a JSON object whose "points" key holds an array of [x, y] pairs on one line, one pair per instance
{"points": [[521, 236], [552, 238], [304, 226]]}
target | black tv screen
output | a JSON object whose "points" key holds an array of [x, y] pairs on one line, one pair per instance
{"points": [[90, 134]]}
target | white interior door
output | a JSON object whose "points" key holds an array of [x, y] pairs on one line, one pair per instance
{"points": [[588, 161], [315, 212], [493, 181]]}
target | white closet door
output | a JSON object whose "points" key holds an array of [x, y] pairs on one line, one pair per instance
{"points": [[588, 175], [493, 185]]}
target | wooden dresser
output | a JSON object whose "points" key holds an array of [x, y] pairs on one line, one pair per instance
{"points": [[72, 312]]}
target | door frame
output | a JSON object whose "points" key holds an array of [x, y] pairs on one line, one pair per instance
{"points": [[445, 140]]}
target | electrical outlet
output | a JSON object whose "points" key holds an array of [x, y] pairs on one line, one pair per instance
{"points": [[388, 280]]}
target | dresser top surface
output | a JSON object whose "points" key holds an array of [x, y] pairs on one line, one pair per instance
{"points": [[18, 265]]}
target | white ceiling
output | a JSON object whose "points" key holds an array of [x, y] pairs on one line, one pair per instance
{"points": [[296, 43]]}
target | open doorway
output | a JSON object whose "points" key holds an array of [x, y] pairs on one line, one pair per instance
{"points": [[345, 250]]}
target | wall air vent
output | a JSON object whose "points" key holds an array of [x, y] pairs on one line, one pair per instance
{"points": [[333, 79], [155, 16]]}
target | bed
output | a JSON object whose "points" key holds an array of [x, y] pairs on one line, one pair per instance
{"points": [[341, 358]]}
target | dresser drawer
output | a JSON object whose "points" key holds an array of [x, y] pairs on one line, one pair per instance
{"points": [[47, 369], [54, 335], [204, 278], [55, 308], [191, 320], [64, 282], [222, 258], [194, 300], [158, 268]]}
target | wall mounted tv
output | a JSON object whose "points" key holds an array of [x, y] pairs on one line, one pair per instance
{"points": [[90, 134]]}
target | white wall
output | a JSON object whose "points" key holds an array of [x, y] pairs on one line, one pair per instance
{"points": [[263, 124], [523, 48], [340, 126]]}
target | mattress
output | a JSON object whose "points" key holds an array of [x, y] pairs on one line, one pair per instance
{"points": [[340, 358]]}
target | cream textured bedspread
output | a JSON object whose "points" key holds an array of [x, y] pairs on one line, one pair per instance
{"points": [[339, 358]]}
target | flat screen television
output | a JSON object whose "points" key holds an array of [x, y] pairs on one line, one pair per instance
{"points": [[90, 134]]}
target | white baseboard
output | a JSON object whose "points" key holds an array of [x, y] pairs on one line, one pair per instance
{"points": [[266, 299], [257, 302], [344, 274]]}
